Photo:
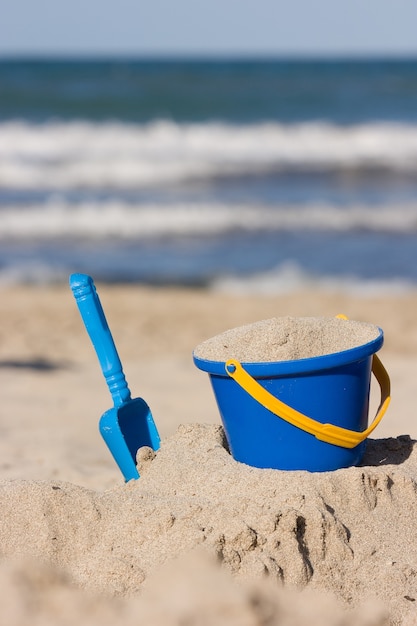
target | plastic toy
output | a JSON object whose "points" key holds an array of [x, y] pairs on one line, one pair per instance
{"points": [[129, 425]]}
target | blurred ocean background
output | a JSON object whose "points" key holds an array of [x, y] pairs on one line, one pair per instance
{"points": [[249, 175]]}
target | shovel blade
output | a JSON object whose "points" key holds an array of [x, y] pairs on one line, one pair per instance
{"points": [[125, 430]]}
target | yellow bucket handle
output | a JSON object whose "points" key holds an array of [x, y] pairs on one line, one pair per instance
{"points": [[329, 433]]}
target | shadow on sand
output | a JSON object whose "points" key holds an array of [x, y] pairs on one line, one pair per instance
{"points": [[39, 364], [391, 451]]}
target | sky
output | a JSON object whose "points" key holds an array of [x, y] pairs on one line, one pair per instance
{"points": [[208, 27]]}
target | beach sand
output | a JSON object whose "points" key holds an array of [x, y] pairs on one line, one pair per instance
{"points": [[200, 538]]}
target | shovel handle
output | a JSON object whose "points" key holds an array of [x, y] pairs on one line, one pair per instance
{"points": [[95, 322]]}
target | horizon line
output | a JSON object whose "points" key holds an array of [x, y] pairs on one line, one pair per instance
{"points": [[206, 56]]}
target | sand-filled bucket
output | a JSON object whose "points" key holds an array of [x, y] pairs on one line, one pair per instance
{"points": [[293, 393]]}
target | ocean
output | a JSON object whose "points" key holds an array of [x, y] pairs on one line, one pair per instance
{"points": [[243, 175]]}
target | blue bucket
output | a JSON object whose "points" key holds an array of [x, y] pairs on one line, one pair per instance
{"points": [[306, 414]]}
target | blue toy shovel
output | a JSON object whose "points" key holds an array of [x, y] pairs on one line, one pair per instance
{"points": [[129, 425]]}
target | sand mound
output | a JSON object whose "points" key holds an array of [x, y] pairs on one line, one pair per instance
{"points": [[190, 590], [349, 532], [286, 339]]}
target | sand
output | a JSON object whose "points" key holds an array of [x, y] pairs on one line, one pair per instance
{"points": [[200, 538], [286, 339]]}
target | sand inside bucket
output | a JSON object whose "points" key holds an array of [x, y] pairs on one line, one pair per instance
{"points": [[287, 339]]}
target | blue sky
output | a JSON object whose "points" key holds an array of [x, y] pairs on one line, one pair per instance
{"points": [[209, 27]]}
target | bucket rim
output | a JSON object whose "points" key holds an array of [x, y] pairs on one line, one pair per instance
{"points": [[270, 369]]}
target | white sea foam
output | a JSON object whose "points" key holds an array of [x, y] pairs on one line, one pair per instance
{"points": [[118, 219], [291, 277], [73, 155], [288, 277], [33, 272]]}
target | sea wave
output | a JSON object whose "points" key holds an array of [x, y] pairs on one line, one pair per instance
{"points": [[115, 155], [118, 219], [291, 277], [287, 277]]}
